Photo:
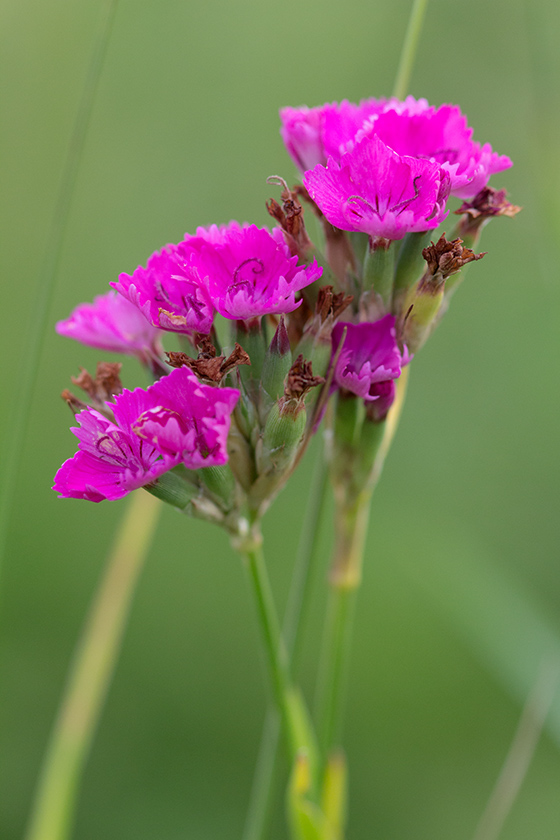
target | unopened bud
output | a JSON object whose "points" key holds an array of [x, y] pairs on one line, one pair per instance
{"points": [[423, 301], [277, 362], [281, 438]]}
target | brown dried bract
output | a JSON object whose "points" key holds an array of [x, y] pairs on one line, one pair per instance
{"points": [[74, 404], [445, 258], [330, 303], [106, 383], [290, 218], [300, 379], [487, 203], [208, 366]]}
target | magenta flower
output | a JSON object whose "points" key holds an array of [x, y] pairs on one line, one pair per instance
{"points": [[177, 420], [443, 136], [247, 271], [370, 358], [379, 192], [112, 323], [168, 293], [312, 135]]}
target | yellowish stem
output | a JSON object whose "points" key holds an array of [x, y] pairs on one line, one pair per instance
{"points": [[90, 674]]}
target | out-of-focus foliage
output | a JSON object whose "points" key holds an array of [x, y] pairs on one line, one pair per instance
{"points": [[184, 132]]}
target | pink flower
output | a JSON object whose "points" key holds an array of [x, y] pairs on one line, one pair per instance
{"points": [[370, 359], [247, 271], [379, 192], [177, 420], [411, 127], [311, 135], [168, 293], [443, 136], [112, 323]]}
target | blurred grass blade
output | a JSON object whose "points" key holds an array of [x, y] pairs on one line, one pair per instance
{"points": [[91, 673], [410, 48], [16, 428], [499, 621], [520, 754]]}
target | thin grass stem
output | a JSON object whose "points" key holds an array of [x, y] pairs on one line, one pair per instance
{"points": [[520, 753], [90, 674], [410, 48], [18, 422]]}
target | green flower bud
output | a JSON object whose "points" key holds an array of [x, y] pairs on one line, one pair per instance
{"points": [[423, 301], [277, 362]]}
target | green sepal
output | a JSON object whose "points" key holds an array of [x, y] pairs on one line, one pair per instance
{"points": [[420, 310], [277, 362], [281, 437], [410, 262], [220, 484], [251, 337], [173, 488], [379, 271]]}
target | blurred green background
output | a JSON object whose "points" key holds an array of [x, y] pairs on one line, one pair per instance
{"points": [[464, 536]]}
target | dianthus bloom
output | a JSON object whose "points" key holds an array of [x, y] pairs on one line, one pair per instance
{"points": [[441, 135], [168, 293], [374, 190], [112, 323], [177, 420], [312, 135], [247, 271], [411, 127], [369, 361]]}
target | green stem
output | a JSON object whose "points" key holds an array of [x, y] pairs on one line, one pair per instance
{"points": [[90, 674], [297, 729], [264, 781], [18, 422], [334, 666], [410, 47], [351, 522]]}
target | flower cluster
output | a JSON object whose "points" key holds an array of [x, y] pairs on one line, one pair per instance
{"points": [[272, 327]]}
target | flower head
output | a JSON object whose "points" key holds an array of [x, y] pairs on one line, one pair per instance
{"points": [[443, 136], [177, 420], [312, 135], [247, 271], [379, 192], [168, 293], [111, 323], [370, 358]]}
